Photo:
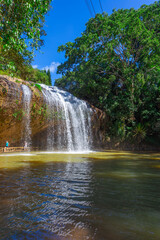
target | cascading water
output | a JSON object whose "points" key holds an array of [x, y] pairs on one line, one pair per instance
{"points": [[69, 121], [26, 118]]}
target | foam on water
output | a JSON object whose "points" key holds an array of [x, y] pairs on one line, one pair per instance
{"points": [[64, 152]]}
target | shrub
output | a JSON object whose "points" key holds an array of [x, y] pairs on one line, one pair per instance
{"points": [[38, 87]]}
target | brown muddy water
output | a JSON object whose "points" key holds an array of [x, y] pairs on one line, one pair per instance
{"points": [[101, 195]]}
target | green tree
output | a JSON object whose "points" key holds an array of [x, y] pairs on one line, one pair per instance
{"points": [[49, 76], [115, 66], [21, 30], [36, 75]]}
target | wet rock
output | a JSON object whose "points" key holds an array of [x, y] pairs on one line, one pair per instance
{"points": [[12, 114]]}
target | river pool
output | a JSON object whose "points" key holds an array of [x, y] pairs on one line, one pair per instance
{"points": [[96, 195]]}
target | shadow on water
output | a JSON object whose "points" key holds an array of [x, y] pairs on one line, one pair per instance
{"points": [[95, 196]]}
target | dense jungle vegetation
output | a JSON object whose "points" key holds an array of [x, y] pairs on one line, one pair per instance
{"points": [[115, 65], [21, 32]]}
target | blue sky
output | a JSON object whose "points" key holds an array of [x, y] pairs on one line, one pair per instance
{"points": [[66, 21]]}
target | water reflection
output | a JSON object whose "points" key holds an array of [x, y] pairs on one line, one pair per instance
{"points": [[80, 198], [47, 197]]}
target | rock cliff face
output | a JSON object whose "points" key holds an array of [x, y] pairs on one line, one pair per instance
{"points": [[13, 116]]}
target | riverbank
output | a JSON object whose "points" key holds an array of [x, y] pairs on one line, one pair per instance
{"points": [[13, 149], [151, 144]]}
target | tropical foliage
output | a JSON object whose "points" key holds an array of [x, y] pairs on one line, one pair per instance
{"points": [[38, 76], [21, 31], [115, 65], [33, 75]]}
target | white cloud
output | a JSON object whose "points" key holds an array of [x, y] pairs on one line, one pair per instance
{"points": [[53, 67], [35, 66]]}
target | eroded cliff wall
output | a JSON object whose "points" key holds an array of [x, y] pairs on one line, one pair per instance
{"points": [[12, 115], [12, 111]]}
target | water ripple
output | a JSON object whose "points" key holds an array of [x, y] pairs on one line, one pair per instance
{"points": [[78, 201]]}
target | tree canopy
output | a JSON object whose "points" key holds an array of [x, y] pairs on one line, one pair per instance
{"points": [[38, 76], [115, 65], [21, 31]]}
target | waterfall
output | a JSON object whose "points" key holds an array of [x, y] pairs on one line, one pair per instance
{"points": [[26, 115], [69, 121]]}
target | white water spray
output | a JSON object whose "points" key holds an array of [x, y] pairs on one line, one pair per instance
{"points": [[26, 117], [69, 121]]}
